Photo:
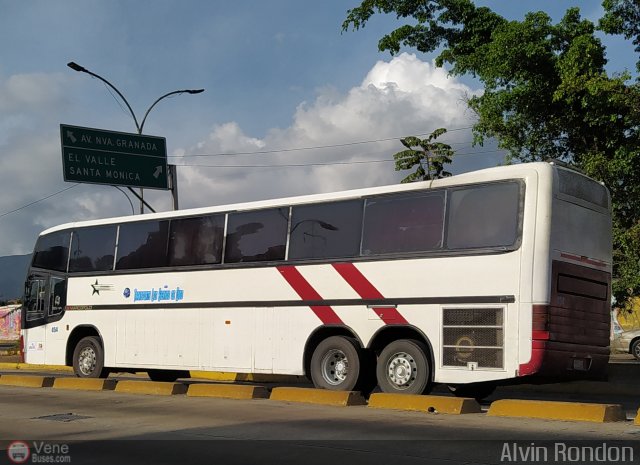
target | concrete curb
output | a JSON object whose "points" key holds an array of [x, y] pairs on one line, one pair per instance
{"points": [[227, 391], [26, 381], [551, 410], [317, 396], [156, 388], [430, 404], [85, 384]]}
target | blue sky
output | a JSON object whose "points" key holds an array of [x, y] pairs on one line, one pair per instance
{"points": [[277, 74]]}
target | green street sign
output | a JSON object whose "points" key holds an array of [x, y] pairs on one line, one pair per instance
{"points": [[116, 158]]}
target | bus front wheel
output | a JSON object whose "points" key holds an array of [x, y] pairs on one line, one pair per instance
{"points": [[403, 367], [335, 364], [88, 358]]}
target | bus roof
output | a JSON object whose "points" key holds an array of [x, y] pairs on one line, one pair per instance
{"points": [[484, 175]]}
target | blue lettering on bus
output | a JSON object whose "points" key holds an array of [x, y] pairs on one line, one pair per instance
{"points": [[162, 294]]}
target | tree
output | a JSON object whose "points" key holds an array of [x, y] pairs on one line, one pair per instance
{"points": [[547, 94], [429, 157], [622, 17]]}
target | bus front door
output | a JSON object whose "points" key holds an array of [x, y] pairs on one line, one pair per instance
{"points": [[44, 302]]}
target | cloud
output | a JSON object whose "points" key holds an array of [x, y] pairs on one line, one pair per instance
{"points": [[400, 97], [31, 93]]}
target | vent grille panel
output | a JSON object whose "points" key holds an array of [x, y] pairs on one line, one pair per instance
{"points": [[473, 337]]}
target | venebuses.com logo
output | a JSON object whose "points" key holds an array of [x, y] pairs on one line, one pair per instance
{"points": [[18, 452], [38, 452]]}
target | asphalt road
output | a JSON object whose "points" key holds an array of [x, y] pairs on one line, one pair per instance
{"points": [[111, 427]]}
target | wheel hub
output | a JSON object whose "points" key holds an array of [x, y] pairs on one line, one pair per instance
{"points": [[335, 367], [402, 369], [87, 361]]}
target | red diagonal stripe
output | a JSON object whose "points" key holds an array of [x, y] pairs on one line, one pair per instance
{"points": [[326, 314], [366, 290]]}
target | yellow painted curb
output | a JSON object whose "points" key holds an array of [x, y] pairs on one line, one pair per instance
{"points": [[26, 381], [157, 388], [227, 391], [33, 366], [85, 384], [317, 396], [214, 375], [551, 410], [431, 404]]}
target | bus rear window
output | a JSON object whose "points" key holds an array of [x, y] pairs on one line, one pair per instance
{"points": [[52, 251], [583, 188]]}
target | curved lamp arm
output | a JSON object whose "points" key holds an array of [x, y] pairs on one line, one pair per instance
{"points": [[76, 67], [185, 91]]}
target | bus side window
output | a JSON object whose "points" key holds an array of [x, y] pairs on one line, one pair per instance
{"points": [[143, 245], [403, 223], [52, 251], [57, 295], [196, 241], [326, 230], [92, 249], [257, 236], [483, 216]]}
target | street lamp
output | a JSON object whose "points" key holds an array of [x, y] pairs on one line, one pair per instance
{"points": [[174, 188]]}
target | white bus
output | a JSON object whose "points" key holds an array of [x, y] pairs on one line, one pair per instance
{"points": [[490, 277]]}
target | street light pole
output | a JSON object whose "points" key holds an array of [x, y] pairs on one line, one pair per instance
{"points": [[76, 67]]}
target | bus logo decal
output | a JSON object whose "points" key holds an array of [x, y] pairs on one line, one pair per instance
{"points": [[100, 287], [326, 314]]}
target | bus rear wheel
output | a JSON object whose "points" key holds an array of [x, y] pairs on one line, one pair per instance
{"points": [[88, 358], [335, 364], [403, 367]]}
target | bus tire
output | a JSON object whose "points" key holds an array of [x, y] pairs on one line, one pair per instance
{"points": [[167, 375], [403, 367], [88, 358], [477, 391], [335, 364]]}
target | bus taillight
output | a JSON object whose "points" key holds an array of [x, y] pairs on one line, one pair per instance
{"points": [[540, 322]]}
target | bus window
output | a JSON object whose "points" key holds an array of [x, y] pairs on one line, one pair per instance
{"points": [[483, 216], [257, 236], [580, 187], [57, 295], [142, 245], [326, 230], [403, 223], [92, 249], [52, 251], [35, 298], [196, 241]]}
